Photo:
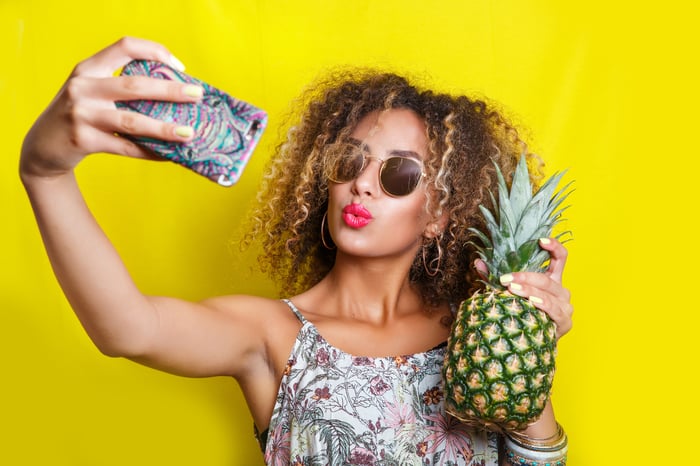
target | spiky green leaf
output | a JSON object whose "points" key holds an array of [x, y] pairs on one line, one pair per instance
{"points": [[518, 219], [520, 189]]}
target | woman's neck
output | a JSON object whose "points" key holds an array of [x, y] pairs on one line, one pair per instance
{"points": [[372, 290]]}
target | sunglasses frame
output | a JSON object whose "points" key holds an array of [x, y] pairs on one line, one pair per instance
{"points": [[366, 159]]}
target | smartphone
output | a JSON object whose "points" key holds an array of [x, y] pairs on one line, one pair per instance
{"points": [[226, 129]]}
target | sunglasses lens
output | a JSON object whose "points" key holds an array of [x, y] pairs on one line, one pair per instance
{"points": [[400, 175]]}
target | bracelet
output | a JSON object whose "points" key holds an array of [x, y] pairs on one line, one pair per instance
{"points": [[517, 460], [522, 450], [554, 442]]}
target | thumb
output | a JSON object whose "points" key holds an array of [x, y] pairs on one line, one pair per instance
{"points": [[481, 268]]}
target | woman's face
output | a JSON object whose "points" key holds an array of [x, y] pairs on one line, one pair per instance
{"points": [[363, 219]]}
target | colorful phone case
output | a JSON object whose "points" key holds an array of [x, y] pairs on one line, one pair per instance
{"points": [[226, 130]]}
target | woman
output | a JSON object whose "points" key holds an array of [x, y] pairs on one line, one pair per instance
{"points": [[373, 263]]}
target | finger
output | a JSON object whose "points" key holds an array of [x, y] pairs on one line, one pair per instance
{"points": [[556, 304], [92, 140], [559, 312], [535, 283], [481, 268], [558, 254], [121, 146], [118, 145], [113, 57], [136, 124], [138, 88]]}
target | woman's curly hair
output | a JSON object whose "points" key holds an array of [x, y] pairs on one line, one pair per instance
{"points": [[466, 136]]}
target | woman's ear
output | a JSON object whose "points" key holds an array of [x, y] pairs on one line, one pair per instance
{"points": [[432, 230], [435, 228]]}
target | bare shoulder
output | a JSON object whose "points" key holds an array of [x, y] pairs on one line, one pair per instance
{"points": [[245, 335], [251, 309], [241, 303], [265, 314]]}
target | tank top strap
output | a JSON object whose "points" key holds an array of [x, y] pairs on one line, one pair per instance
{"points": [[296, 311]]}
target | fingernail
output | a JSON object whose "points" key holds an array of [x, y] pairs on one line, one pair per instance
{"points": [[193, 91], [507, 278], [184, 131], [515, 287], [535, 300], [177, 64], [545, 241]]}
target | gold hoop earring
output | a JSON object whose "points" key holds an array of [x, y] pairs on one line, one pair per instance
{"points": [[438, 259], [323, 231]]}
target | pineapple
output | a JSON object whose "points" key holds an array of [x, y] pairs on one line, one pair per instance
{"points": [[499, 364]]}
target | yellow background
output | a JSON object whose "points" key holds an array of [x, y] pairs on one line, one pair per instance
{"points": [[606, 89]]}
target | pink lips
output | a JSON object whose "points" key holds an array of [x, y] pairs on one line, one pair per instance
{"points": [[356, 216]]}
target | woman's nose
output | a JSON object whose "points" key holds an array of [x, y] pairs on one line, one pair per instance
{"points": [[367, 182]]}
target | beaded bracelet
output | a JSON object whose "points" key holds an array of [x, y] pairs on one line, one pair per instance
{"points": [[517, 460], [522, 450]]}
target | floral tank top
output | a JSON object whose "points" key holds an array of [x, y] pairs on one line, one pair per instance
{"points": [[334, 408]]}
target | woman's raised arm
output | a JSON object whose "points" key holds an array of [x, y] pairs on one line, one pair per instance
{"points": [[186, 338]]}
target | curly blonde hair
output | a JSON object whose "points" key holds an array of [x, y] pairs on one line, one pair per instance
{"points": [[466, 136]]}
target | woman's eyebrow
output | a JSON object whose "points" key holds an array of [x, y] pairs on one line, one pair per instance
{"points": [[395, 152], [405, 153]]}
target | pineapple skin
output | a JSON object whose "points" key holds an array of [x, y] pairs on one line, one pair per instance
{"points": [[499, 363]]}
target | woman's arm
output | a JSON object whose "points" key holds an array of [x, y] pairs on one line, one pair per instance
{"points": [[208, 338]]}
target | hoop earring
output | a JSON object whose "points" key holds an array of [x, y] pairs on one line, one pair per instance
{"points": [[438, 259], [323, 231]]}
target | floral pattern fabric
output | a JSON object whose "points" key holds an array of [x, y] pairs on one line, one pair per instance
{"points": [[334, 408]]}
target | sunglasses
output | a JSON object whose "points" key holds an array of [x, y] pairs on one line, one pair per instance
{"points": [[398, 175]]}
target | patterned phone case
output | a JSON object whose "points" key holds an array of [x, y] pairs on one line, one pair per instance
{"points": [[226, 130]]}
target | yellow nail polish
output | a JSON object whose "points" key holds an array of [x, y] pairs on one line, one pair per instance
{"points": [[177, 64], [535, 300], [545, 241], [507, 278], [515, 287], [184, 131], [193, 91]]}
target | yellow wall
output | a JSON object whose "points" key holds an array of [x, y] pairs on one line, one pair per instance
{"points": [[608, 91]]}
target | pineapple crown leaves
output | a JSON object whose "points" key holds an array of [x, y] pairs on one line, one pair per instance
{"points": [[519, 219]]}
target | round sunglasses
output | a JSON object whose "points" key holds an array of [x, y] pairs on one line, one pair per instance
{"points": [[398, 175]]}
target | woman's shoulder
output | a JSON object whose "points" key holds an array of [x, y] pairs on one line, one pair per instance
{"points": [[270, 319], [243, 303], [251, 308]]}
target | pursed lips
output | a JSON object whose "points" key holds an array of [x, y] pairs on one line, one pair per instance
{"points": [[356, 215]]}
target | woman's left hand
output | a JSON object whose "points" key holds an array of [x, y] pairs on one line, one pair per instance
{"points": [[545, 290]]}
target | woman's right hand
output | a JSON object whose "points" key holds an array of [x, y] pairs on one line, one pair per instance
{"points": [[83, 119], [216, 337]]}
